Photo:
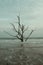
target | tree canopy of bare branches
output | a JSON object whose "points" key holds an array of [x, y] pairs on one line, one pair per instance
{"points": [[20, 31]]}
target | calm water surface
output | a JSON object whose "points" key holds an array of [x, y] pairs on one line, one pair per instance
{"points": [[5, 43]]}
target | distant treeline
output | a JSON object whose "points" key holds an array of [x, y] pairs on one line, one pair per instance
{"points": [[16, 38]]}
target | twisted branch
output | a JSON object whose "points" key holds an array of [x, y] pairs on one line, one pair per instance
{"points": [[9, 34], [29, 35]]}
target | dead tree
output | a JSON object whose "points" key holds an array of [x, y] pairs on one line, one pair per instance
{"points": [[20, 31]]}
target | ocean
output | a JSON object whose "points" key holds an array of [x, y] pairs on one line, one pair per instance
{"points": [[9, 43]]}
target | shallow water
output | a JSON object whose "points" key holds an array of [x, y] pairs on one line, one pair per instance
{"points": [[5, 43]]}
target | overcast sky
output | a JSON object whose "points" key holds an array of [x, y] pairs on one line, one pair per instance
{"points": [[31, 12]]}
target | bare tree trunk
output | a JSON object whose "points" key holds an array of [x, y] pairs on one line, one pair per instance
{"points": [[22, 39]]}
